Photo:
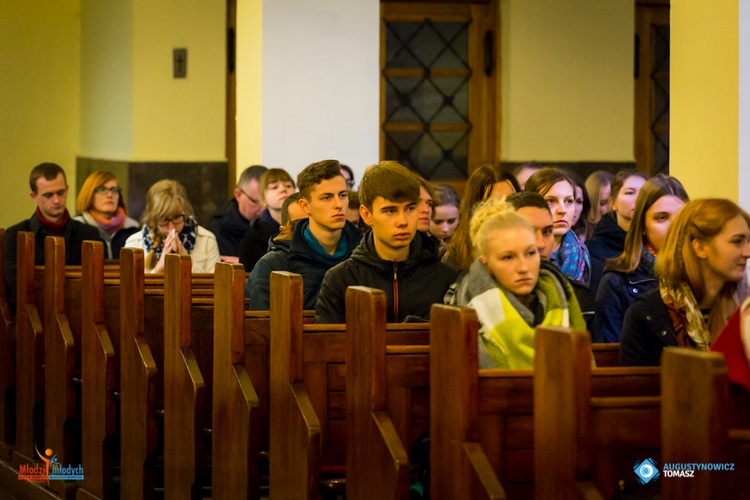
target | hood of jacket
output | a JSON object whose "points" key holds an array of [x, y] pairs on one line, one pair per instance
{"points": [[299, 249], [609, 235]]}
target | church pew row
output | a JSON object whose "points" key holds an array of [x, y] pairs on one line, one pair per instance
{"points": [[241, 350], [483, 427], [7, 365], [698, 426], [586, 442], [308, 395], [379, 395]]}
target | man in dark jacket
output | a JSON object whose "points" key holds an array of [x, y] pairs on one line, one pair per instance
{"points": [[49, 190], [318, 243], [230, 223], [393, 257]]}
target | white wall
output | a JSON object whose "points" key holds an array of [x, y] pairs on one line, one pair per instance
{"points": [[321, 96]]}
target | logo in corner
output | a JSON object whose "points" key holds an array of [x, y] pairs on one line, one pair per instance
{"points": [[646, 471]]}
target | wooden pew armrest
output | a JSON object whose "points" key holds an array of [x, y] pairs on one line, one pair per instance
{"points": [[391, 441], [307, 413], [246, 387], [483, 471]]}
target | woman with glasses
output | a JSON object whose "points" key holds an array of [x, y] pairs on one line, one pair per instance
{"points": [[100, 204], [170, 227]]}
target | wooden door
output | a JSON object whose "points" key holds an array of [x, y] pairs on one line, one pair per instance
{"points": [[651, 121], [439, 64]]}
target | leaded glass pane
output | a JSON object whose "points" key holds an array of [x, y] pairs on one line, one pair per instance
{"points": [[426, 78]]}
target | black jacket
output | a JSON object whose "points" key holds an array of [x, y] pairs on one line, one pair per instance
{"points": [[75, 234], [229, 226], [617, 291], [254, 244], [297, 257], [608, 242], [410, 286], [646, 330]]}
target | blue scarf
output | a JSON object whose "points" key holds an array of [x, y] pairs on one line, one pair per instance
{"points": [[572, 257], [318, 249], [187, 236]]}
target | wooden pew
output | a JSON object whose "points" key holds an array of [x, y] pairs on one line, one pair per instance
{"points": [[377, 460], [606, 354], [100, 341], [142, 367], [240, 389], [7, 365], [697, 426], [188, 373], [585, 443], [482, 442], [138, 425], [29, 357], [62, 323], [234, 467], [307, 393]]}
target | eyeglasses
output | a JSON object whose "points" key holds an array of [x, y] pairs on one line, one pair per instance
{"points": [[350, 183], [104, 190], [250, 197], [176, 220]]}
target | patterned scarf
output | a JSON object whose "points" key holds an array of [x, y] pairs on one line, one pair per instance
{"points": [[687, 319], [112, 225], [572, 257], [648, 259], [187, 236]]}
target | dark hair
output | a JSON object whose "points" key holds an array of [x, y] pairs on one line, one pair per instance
{"points": [[348, 171], [49, 171], [479, 186], [653, 189], [316, 173], [250, 173], [444, 194], [270, 176], [619, 180], [543, 180], [389, 180], [293, 198], [524, 199], [583, 226]]}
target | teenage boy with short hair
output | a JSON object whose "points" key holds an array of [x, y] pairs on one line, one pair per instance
{"points": [[393, 257], [318, 243]]}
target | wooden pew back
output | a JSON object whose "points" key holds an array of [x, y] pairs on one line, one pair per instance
{"points": [[377, 461], [586, 441], [7, 364], [307, 392], [696, 426]]}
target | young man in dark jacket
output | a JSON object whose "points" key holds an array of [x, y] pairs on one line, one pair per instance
{"points": [[49, 190], [393, 257], [318, 243]]}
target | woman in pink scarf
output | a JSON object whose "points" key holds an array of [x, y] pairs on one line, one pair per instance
{"points": [[100, 204]]}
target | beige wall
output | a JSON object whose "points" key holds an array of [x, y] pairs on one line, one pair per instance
{"points": [[179, 119], [704, 93], [249, 84], [567, 80], [39, 89]]}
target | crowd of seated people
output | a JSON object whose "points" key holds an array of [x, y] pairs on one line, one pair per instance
{"points": [[628, 258]]}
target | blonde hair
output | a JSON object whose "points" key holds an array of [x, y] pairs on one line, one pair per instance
{"points": [[164, 199], [677, 262], [595, 184], [85, 199], [489, 217]]}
